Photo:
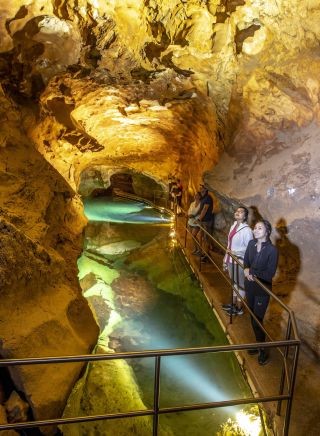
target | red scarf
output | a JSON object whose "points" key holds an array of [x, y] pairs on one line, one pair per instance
{"points": [[230, 237]]}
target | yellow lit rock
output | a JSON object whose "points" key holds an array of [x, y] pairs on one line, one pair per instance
{"points": [[225, 90], [254, 44]]}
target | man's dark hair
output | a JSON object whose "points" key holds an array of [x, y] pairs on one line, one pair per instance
{"points": [[202, 187]]}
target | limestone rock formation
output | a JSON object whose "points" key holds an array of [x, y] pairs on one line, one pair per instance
{"points": [[16, 408], [97, 393], [3, 420], [140, 123], [42, 311], [229, 88]]}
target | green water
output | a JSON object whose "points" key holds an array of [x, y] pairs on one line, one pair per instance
{"points": [[145, 297]]}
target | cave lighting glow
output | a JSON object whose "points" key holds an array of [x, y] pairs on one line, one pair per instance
{"points": [[186, 373], [172, 233], [130, 212], [250, 424]]}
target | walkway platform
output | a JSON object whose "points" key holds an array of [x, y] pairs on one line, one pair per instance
{"points": [[264, 380]]}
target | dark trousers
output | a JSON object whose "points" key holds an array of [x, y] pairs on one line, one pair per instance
{"points": [[258, 301]]}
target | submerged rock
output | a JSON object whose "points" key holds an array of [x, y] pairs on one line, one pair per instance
{"points": [[101, 310], [117, 247], [133, 294], [107, 387]]}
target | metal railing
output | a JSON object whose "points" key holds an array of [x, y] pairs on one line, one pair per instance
{"points": [[161, 197], [156, 410], [134, 197], [291, 336], [288, 375]]}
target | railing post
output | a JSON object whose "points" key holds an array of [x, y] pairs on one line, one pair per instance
{"points": [[262, 421], [200, 248], [237, 278], [156, 396], [232, 283], [285, 356], [175, 212], [186, 233], [291, 390]]}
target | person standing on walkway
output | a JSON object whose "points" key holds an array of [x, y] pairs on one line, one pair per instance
{"points": [[179, 196], [171, 182], [176, 195], [205, 219], [193, 214], [238, 239], [260, 261]]}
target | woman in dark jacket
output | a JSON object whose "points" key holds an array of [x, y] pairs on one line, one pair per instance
{"points": [[260, 261]]}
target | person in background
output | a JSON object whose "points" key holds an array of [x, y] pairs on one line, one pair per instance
{"points": [[193, 214], [205, 219], [176, 195], [239, 236], [179, 196], [260, 261], [171, 182]]}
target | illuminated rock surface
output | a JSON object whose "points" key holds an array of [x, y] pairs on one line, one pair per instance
{"points": [[42, 311], [158, 87], [154, 303]]}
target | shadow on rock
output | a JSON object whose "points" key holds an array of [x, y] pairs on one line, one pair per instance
{"points": [[289, 264]]}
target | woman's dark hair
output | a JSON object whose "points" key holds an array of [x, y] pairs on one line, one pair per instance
{"points": [[246, 213], [267, 225]]}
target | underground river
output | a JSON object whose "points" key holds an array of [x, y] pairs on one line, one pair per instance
{"points": [[145, 296]]}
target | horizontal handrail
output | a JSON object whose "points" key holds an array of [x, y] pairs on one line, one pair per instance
{"points": [[236, 260], [233, 288], [122, 194], [146, 412], [224, 248], [145, 353], [185, 351]]}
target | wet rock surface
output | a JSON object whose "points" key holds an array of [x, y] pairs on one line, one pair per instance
{"points": [[159, 88], [42, 311], [3, 420], [134, 295], [16, 408]]}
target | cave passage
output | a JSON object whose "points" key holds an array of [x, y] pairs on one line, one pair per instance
{"points": [[145, 296]]}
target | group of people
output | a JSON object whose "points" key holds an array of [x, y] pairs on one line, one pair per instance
{"points": [[257, 259]]}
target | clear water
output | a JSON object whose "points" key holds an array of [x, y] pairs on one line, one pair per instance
{"points": [[126, 245]]}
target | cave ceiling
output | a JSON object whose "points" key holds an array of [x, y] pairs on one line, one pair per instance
{"points": [[150, 84], [225, 91]]}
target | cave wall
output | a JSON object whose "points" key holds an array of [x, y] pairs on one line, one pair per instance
{"points": [[103, 180], [42, 310], [228, 89], [271, 159]]}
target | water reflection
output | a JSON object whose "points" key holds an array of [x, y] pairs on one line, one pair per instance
{"points": [[123, 211], [152, 301]]}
